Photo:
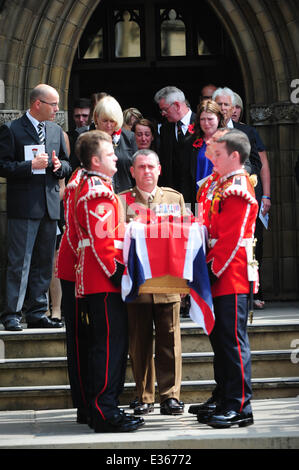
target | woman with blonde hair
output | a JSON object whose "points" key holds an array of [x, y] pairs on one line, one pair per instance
{"points": [[108, 117]]}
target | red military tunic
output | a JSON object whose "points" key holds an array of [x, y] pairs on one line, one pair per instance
{"points": [[100, 236], [67, 254], [229, 214]]}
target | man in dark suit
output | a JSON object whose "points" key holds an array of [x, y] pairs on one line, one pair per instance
{"points": [[173, 147], [33, 157], [173, 133]]}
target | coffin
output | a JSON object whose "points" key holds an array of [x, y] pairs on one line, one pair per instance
{"points": [[165, 285]]}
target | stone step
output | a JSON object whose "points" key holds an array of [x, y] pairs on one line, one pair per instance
{"points": [[261, 336], [276, 363], [51, 343], [58, 396], [169, 440], [33, 343], [33, 372], [196, 366]]}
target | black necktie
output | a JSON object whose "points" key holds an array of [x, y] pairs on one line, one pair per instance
{"points": [[180, 132], [41, 134]]}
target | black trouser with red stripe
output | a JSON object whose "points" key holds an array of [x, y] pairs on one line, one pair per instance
{"points": [[76, 323], [108, 350], [232, 357]]}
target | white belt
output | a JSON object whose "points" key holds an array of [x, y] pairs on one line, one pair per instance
{"points": [[86, 242], [246, 242], [252, 264]]}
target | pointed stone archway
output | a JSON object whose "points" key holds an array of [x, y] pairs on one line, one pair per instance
{"points": [[39, 41]]}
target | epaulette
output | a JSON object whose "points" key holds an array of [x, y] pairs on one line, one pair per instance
{"points": [[239, 185], [171, 190], [128, 195], [127, 191], [75, 178], [96, 190]]}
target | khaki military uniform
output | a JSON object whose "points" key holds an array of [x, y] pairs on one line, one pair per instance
{"points": [[160, 310]]}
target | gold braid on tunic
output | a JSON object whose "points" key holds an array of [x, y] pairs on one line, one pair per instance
{"points": [[221, 187]]}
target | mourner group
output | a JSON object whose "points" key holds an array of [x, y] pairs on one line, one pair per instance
{"points": [[87, 213]]}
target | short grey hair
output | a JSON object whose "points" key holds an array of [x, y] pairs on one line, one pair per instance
{"points": [[226, 92], [145, 152], [238, 101], [170, 94]]}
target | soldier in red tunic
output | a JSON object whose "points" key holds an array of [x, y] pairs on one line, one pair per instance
{"points": [[230, 210], [75, 322], [99, 268]]}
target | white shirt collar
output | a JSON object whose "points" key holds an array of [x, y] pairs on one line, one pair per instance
{"points": [[185, 122], [236, 172], [186, 119], [230, 124], [104, 177], [34, 121]]}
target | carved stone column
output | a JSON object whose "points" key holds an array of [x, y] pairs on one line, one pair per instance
{"points": [[277, 124], [274, 114]]}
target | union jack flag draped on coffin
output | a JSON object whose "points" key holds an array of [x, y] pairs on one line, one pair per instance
{"points": [[169, 247]]}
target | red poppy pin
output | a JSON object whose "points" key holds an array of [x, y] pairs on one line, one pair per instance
{"points": [[198, 143], [191, 128]]}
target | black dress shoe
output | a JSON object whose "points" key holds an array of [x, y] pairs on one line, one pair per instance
{"points": [[13, 325], [83, 416], [140, 421], [144, 408], [171, 406], [207, 406], [230, 418], [119, 423], [134, 403], [44, 322], [56, 320]]}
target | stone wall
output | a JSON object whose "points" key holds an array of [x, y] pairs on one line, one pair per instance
{"points": [[3, 250], [38, 41], [278, 126]]}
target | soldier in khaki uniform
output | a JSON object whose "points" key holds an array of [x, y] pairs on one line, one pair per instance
{"points": [[162, 310]]}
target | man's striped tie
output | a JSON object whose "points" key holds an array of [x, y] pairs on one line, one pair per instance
{"points": [[180, 133], [41, 133]]}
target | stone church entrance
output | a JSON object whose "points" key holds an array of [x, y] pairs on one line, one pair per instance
{"points": [[132, 49]]}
